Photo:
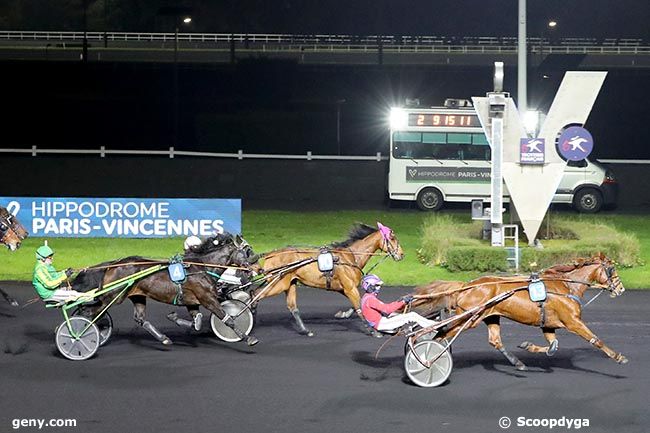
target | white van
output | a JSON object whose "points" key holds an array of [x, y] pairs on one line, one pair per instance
{"points": [[442, 155]]}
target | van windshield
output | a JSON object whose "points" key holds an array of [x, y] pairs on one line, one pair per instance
{"points": [[440, 145]]}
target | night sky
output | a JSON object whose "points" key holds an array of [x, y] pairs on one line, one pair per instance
{"points": [[273, 106]]}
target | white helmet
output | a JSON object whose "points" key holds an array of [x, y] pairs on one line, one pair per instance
{"points": [[192, 242]]}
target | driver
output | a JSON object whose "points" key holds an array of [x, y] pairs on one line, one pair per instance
{"points": [[47, 281], [377, 313], [192, 243]]}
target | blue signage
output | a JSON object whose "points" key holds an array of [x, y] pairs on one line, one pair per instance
{"points": [[125, 217], [575, 143], [531, 151]]}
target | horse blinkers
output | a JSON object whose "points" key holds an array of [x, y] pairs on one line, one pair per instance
{"points": [[614, 284]]}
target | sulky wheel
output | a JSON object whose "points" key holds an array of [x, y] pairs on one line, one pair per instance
{"points": [[104, 325], [427, 351], [80, 341], [244, 321]]}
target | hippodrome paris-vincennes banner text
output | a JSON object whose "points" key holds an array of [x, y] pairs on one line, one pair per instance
{"points": [[125, 217]]}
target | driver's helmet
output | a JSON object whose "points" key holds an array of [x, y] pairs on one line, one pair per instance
{"points": [[371, 283], [43, 252], [192, 242]]}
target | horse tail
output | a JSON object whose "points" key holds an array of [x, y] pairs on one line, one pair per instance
{"points": [[436, 295]]}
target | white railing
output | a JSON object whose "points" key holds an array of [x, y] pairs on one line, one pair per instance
{"points": [[171, 153], [321, 42]]}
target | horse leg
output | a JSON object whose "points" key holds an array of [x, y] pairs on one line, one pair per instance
{"points": [[350, 291], [292, 305], [494, 338], [550, 350], [139, 306], [578, 327], [195, 323], [197, 316], [344, 314], [9, 299], [211, 303]]}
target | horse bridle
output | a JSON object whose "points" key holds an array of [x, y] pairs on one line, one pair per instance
{"points": [[387, 246], [613, 283]]}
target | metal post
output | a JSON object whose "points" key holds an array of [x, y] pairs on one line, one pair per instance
{"points": [[522, 99], [497, 106], [175, 90]]}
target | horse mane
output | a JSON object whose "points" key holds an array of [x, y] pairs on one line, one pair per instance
{"points": [[357, 232], [438, 287], [576, 264]]}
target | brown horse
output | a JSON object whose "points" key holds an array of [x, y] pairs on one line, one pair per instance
{"points": [[12, 233], [562, 308], [350, 257], [199, 288]]}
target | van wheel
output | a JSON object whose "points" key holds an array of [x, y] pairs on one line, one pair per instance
{"points": [[588, 200], [430, 199]]}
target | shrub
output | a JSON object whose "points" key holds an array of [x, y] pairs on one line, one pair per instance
{"points": [[449, 242]]}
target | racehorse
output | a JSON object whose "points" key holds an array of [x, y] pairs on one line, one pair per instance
{"points": [[12, 233], [565, 285], [199, 288], [350, 257]]}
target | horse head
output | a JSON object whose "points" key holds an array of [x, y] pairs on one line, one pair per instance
{"points": [[223, 249], [389, 242], [11, 231], [607, 275]]}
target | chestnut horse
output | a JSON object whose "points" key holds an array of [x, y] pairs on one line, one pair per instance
{"points": [[562, 308], [199, 288], [350, 257], [12, 233]]}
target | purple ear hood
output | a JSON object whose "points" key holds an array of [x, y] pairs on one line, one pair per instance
{"points": [[384, 230]]}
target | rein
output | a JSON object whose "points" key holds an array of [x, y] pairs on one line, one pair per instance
{"points": [[462, 289]]}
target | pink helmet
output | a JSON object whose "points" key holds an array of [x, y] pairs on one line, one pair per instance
{"points": [[371, 283]]}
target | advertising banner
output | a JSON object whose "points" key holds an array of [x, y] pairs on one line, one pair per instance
{"points": [[124, 217], [447, 174]]}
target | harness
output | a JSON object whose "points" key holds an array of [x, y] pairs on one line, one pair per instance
{"points": [[178, 276]]}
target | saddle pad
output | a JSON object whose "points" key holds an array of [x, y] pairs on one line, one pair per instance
{"points": [[176, 272], [325, 262], [537, 291]]}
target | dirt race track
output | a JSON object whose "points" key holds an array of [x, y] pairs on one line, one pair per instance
{"points": [[328, 383]]}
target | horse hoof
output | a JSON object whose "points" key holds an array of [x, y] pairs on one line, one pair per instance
{"points": [[552, 349], [309, 334], [198, 321], [252, 341], [621, 359], [166, 341], [521, 366], [14, 304], [525, 345]]}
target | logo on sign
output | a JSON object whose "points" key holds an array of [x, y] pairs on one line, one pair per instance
{"points": [[575, 143], [531, 151], [13, 208]]}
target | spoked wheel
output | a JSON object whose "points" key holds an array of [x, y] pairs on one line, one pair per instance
{"points": [[244, 321], [104, 325], [422, 375], [80, 342]]}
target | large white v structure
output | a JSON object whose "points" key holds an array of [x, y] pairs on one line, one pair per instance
{"points": [[532, 187]]}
